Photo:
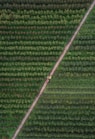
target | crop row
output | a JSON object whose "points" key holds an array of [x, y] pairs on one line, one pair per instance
{"points": [[13, 16], [42, 6], [29, 48], [25, 74], [44, 1], [47, 51], [30, 43], [34, 64], [37, 22], [43, 44], [20, 90], [29, 53], [36, 28], [79, 69], [28, 58], [35, 34], [22, 14], [63, 114], [29, 38], [3, 69]]}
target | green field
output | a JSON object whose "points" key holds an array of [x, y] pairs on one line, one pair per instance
{"points": [[58, 116], [66, 109], [32, 36]]}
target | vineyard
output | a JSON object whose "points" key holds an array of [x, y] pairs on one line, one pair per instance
{"points": [[33, 34]]}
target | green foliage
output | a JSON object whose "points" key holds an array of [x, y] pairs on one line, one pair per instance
{"points": [[62, 116], [32, 36], [66, 110]]}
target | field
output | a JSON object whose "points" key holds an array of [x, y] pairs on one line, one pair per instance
{"points": [[32, 36], [66, 109], [58, 116]]}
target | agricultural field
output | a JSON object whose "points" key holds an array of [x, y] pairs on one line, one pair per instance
{"points": [[67, 107], [61, 115], [32, 36]]}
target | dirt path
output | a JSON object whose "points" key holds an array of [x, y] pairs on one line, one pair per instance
{"points": [[52, 72]]}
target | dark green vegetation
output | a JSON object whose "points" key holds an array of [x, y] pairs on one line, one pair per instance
{"points": [[67, 108], [32, 36], [58, 116]]}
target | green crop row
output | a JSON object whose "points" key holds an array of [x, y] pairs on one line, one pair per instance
{"points": [[36, 33], [25, 74], [36, 28], [54, 17], [30, 43], [34, 64], [37, 13], [39, 23], [42, 6], [44, 1]]}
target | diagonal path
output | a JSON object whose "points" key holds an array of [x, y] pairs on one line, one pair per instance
{"points": [[53, 71]]}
